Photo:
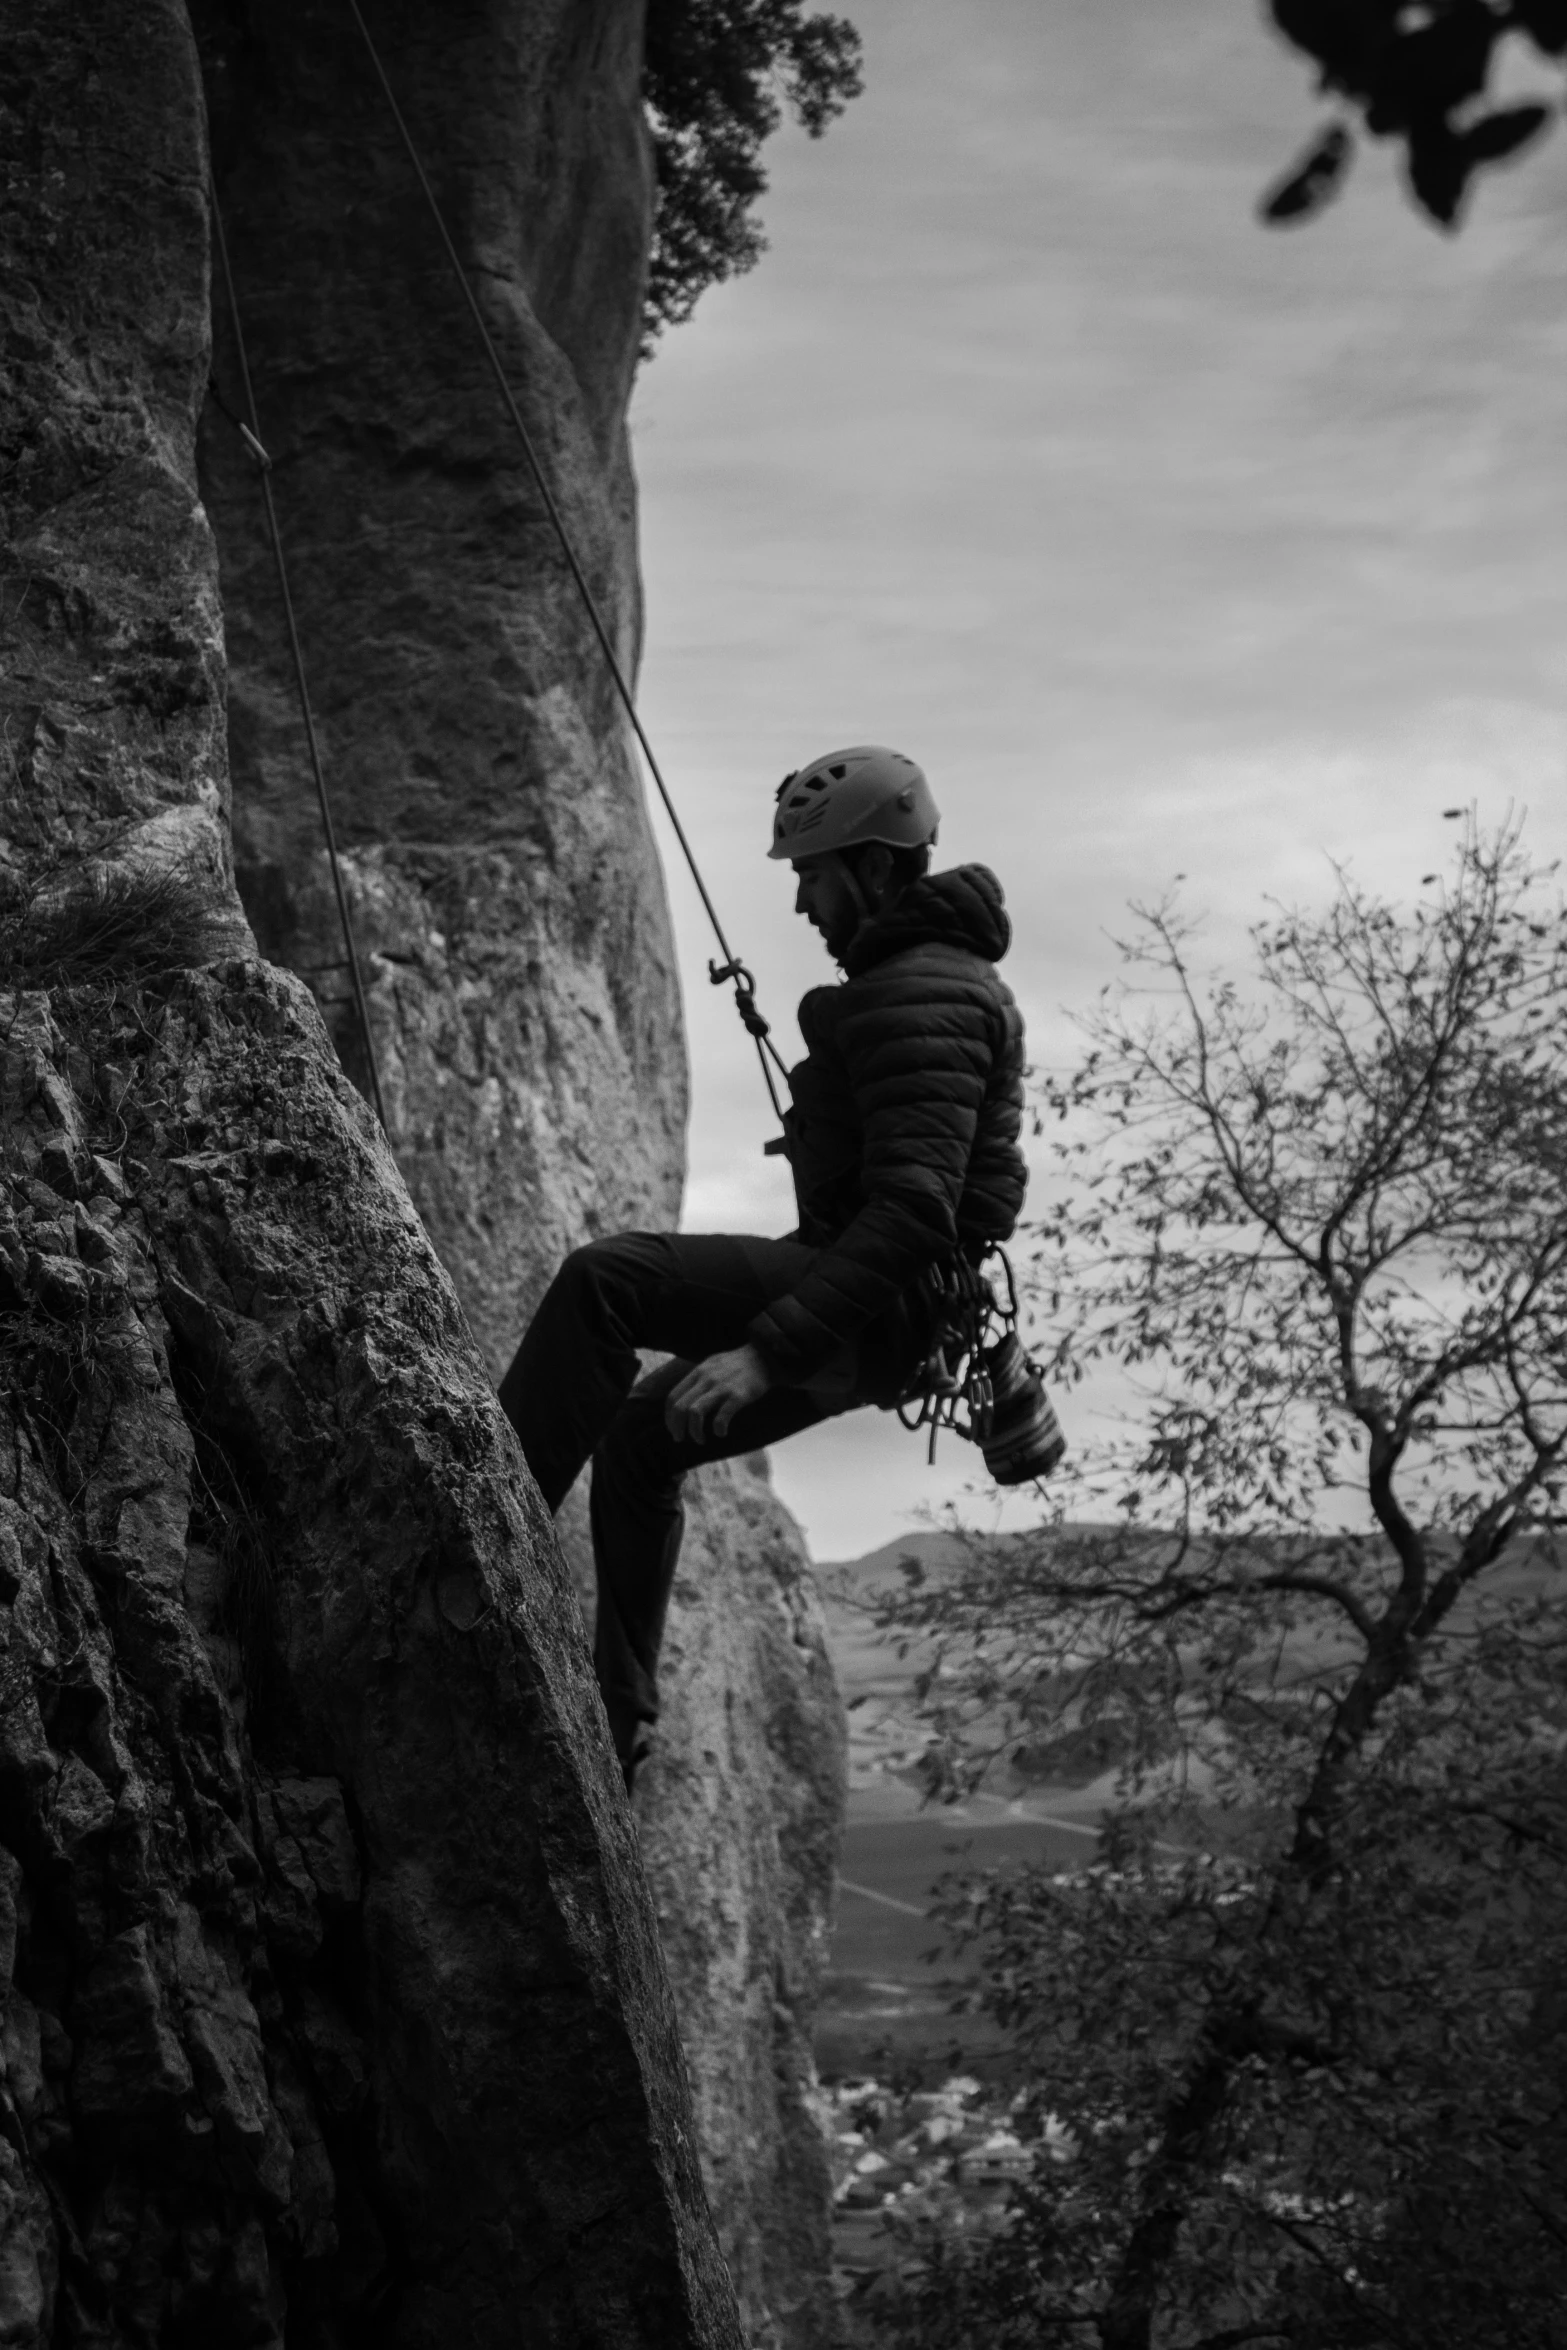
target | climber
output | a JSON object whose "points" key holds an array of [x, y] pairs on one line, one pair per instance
{"points": [[902, 1140]]}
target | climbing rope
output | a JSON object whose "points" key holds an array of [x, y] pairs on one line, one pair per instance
{"points": [[251, 435], [731, 970]]}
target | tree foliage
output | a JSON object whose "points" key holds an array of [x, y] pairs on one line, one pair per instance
{"points": [[1421, 75], [1306, 2019], [717, 76]]}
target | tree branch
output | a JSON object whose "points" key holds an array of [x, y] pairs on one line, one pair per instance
{"points": [[1324, 1587], [1303, 2240]]}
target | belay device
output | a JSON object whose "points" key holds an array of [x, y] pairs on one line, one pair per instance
{"points": [[978, 1361]]}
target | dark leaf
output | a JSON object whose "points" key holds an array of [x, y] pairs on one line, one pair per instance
{"points": [[1503, 133], [1439, 167], [1432, 70], [1314, 180]]}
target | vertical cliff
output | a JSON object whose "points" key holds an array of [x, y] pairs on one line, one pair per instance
{"points": [[501, 868], [502, 871], [332, 1996], [740, 1817], [739, 1810]]}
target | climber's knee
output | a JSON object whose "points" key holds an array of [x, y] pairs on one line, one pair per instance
{"points": [[604, 1277], [582, 1271]]}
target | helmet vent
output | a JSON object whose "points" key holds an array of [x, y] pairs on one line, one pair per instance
{"points": [[838, 773], [816, 783]]}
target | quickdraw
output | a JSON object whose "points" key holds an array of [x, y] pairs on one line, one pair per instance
{"points": [[977, 1362], [954, 1374]]}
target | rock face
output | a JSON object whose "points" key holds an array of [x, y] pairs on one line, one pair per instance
{"points": [[335, 1984], [740, 1810], [745, 1890], [502, 874], [113, 738], [331, 1986], [501, 868]]}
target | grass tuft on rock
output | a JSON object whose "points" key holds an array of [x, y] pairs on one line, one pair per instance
{"points": [[110, 922]]}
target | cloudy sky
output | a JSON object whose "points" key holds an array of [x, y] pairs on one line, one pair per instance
{"points": [[1167, 544]]}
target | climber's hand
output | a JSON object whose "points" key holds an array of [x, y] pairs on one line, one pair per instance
{"points": [[715, 1390]]}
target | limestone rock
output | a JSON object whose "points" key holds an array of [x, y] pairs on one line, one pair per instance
{"points": [[740, 1811], [744, 1888], [112, 688], [327, 1894], [330, 1986], [505, 886], [502, 874]]}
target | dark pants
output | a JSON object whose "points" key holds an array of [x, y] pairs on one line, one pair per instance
{"points": [[573, 1394]]}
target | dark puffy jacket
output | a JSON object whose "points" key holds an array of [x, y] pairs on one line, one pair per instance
{"points": [[903, 1134]]}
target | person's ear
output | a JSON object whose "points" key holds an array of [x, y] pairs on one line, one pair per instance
{"points": [[876, 870]]}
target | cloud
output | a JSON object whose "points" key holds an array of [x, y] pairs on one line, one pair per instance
{"points": [[1168, 544]]}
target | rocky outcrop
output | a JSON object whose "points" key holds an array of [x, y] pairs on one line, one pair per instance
{"points": [[740, 1810], [501, 869], [744, 1889], [500, 863], [112, 738], [331, 1986], [335, 1987]]}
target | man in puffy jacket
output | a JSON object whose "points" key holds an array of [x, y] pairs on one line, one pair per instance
{"points": [[903, 1143]]}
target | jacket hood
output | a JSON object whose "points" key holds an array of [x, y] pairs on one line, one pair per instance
{"points": [[964, 907]]}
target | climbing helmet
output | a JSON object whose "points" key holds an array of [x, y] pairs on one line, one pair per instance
{"points": [[848, 798]]}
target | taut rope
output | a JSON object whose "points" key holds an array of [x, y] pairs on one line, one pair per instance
{"points": [[731, 969], [251, 435]]}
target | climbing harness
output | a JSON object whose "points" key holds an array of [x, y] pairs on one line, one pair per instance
{"points": [[977, 1361], [251, 435], [731, 969]]}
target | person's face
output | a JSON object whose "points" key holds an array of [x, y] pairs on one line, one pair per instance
{"points": [[824, 897]]}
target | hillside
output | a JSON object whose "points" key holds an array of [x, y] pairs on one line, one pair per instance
{"points": [[889, 1998]]}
